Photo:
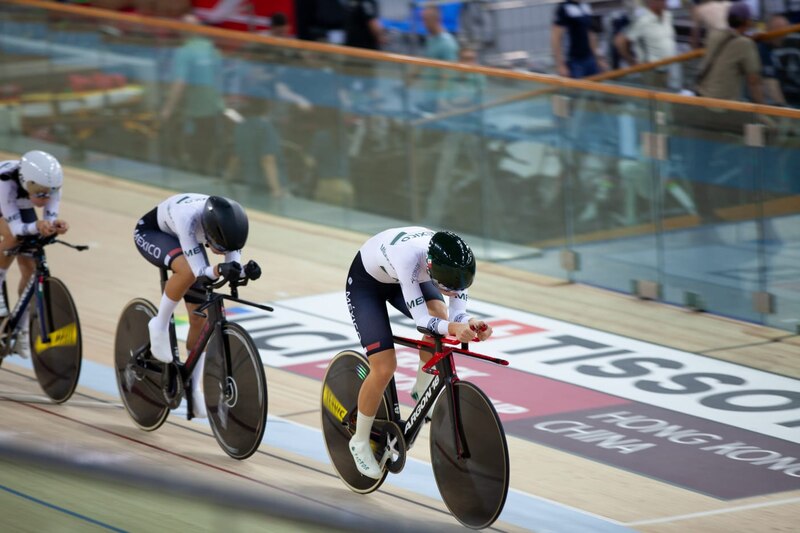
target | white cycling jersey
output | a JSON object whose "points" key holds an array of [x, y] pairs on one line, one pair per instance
{"points": [[400, 255], [14, 198], [179, 215]]}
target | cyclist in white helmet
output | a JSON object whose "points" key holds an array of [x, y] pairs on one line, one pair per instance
{"points": [[33, 181]]}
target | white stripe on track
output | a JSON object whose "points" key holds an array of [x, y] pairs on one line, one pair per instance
{"points": [[677, 518]]}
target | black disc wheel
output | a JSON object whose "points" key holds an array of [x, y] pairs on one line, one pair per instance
{"points": [[469, 457], [340, 389], [139, 376], [235, 391], [56, 358]]}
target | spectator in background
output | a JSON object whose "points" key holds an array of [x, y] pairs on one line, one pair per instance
{"points": [[459, 163], [279, 25], [439, 45], [362, 25], [319, 20], [194, 103], [732, 61], [708, 16], [650, 38], [770, 64], [583, 57]]}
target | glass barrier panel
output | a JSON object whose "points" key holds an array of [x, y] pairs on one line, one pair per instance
{"points": [[525, 170], [46, 95], [610, 193], [377, 143], [711, 247], [780, 232], [486, 164]]}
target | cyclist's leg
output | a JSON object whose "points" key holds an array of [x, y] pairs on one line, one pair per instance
{"points": [[196, 324], [163, 251], [26, 268], [178, 283], [367, 299], [8, 241], [381, 369]]}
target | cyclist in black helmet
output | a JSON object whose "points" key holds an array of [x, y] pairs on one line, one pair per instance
{"points": [[175, 235], [411, 268]]}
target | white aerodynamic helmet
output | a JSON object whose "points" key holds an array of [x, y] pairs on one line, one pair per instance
{"points": [[42, 169]]}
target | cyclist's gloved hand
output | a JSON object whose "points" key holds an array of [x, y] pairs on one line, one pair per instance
{"points": [[252, 270], [232, 270]]}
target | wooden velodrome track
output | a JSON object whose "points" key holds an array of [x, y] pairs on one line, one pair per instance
{"points": [[301, 259]]}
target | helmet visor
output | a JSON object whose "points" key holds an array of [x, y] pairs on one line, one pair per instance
{"points": [[40, 191], [215, 245], [449, 279], [442, 287]]}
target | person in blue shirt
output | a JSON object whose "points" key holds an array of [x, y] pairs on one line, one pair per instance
{"points": [[441, 46], [194, 102]]}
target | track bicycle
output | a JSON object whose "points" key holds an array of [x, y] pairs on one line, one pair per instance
{"points": [[55, 330], [234, 383], [469, 453]]}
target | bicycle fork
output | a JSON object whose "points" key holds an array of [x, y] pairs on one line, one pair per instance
{"points": [[462, 448]]}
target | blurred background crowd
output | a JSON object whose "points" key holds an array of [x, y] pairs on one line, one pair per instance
{"points": [[542, 169]]}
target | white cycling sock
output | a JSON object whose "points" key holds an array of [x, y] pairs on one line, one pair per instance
{"points": [[363, 426], [165, 310], [423, 379]]}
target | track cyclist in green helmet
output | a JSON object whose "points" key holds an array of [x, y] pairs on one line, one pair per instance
{"points": [[413, 269]]}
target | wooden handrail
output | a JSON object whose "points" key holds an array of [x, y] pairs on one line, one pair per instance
{"points": [[556, 82]]}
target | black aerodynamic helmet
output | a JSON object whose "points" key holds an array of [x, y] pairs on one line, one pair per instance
{"points": [[451, 263], [225, 224]]}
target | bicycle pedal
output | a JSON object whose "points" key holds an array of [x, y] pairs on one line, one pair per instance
{"points": [[394, 447], [387, 454]]}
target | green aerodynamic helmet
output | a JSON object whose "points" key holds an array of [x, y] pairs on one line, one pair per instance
{"points": [[451, 263]]}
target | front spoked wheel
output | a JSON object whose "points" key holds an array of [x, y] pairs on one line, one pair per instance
{"points": [[472, 477], [341, 384], [235, 392], [57, 362], [139, 376]]}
